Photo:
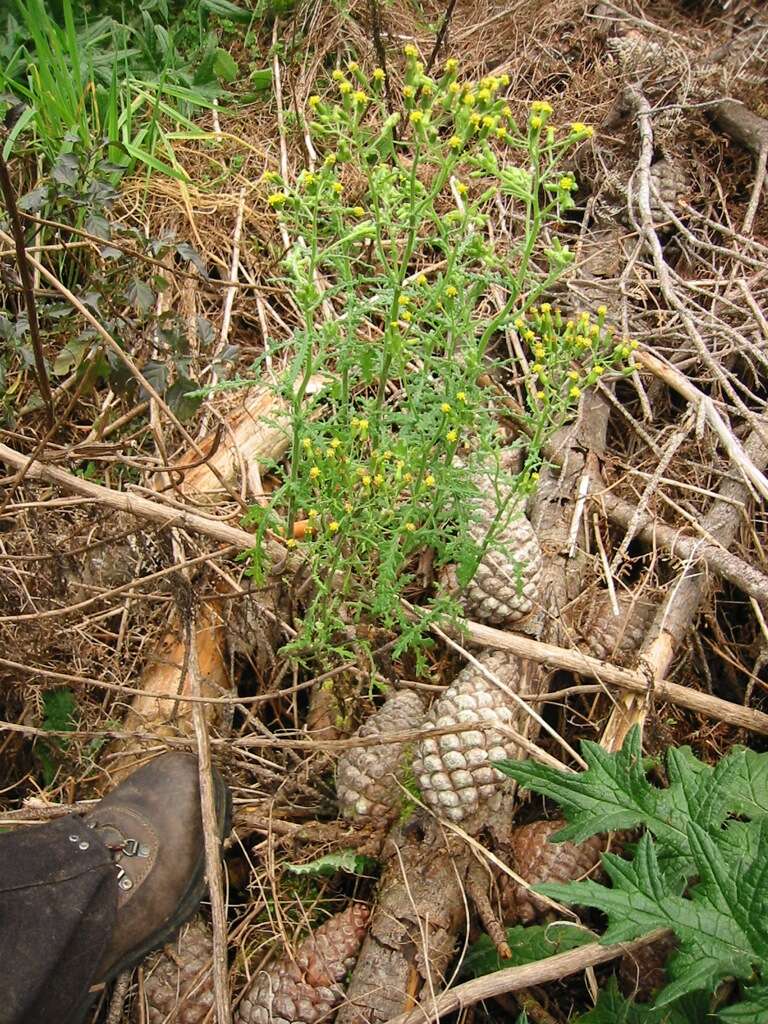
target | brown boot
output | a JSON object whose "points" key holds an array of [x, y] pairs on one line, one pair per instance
{"points": [[152, 825]]}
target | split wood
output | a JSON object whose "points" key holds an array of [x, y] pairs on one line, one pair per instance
{"points": [[512, 979], [542, 653]]}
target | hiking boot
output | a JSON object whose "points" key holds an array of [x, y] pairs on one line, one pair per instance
{"points": [[151, 823]]}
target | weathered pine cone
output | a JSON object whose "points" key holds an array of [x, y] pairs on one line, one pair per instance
{"points": [[182, 986], [616, 638], [535, 859], [304, 988], [644, 972], [668, 181], [506, 582], [454, 771], [367, 777]]}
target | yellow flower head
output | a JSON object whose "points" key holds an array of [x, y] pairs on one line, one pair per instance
{"points": [[489, 122], [360, 97], [416, 117], [353, 66], [535, 122], [337, 75], [429, 480], [290, 543], [468, 99], [378, 75], [314, 473], [545, 308], [358, 211], [520, 323], [451, 436], [541, 107], [308, 179], [575, 392], [455, 142], [461, 396], [314, 102], [421, 280], [406, 316], [348, 506], [539, 351], [409, 92], [602, 311], [306, 443], [598, 369], [541, 395], [410, 51], [566, 183], [451, 65], [501, 133], [378, 479], [330, 160], [277, 199], [451, 292], [362, 425], [410, 527], [337, 187], [484, 95], [461, 188], [366, 481], [445, 407], [403, 300], [345, 88], [537, 368], [573, 375], [333, 526], [313, 513], [453, 88]]}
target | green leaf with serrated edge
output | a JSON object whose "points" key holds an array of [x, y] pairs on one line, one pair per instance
{"points": [[614, 793], [753, 1009], [747, 782], [613, 1008], [528, 944], [344, 860], [722, 926]]}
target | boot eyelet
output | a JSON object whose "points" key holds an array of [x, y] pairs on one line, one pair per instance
{"points": [[74, 839], [83, 845], [125, 883]]}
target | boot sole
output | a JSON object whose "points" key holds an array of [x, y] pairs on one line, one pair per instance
{"points": [[188, 904]]}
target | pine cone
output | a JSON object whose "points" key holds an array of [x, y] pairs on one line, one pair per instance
{"points": [[669, 181], [304, 988], [637, 55], [367, 777], [616, 638], [183, 985], [506, 581], [535, 859], [454, 771], [644, 972]]}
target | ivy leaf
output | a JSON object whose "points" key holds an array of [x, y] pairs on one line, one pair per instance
{"points": [[528, 944], [613, 1008]]}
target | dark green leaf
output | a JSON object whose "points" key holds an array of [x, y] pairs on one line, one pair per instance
{"points": [[528, 944]]}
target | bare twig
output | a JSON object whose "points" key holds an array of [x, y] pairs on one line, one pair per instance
{"points": [[511, 979]]}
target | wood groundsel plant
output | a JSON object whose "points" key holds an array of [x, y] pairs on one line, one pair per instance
{"points": [[403, 291]]}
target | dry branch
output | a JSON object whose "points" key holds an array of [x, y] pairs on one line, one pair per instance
{"points": [[512, 979]]}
